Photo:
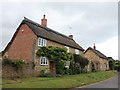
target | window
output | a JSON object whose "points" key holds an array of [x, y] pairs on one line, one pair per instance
{"points": [[43, 61], [68, 50], [76, 51], [67, 64], [41, 42]]}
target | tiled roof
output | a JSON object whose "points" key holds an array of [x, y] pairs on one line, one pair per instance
{"points": [[98, 53]]}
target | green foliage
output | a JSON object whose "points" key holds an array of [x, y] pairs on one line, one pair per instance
{"points": [[92, 67], [111, 64], [84, 70], [42, 72], [117, 65], [74, 69], [65, 81], [81, 60], [54, 53], [82, 63], [18, 64], [58, 55], [60, 67]]}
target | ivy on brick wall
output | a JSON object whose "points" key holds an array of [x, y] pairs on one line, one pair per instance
{"points": [[58, 55], [18, 64]]}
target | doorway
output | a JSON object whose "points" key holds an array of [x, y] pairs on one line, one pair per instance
{"points": [[52, 67]]}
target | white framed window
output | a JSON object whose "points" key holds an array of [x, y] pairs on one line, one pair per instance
{"points": [[43, 61], [67, 64], [42, 42], [76, 51], [68, 49]]}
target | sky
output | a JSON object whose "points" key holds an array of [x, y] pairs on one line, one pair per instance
{"points": [[88, 22]]}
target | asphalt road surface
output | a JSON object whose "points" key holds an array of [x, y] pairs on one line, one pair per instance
{"points": [[109, 83]]}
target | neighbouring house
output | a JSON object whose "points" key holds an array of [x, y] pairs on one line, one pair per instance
{"points": [[99, 60], [31, 36]]}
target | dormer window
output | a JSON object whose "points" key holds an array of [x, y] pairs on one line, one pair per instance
{"points": [[68, 49], [76, 51], [42, 42]]}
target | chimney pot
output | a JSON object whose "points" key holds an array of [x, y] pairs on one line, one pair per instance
{"points": [[44, 21], [71, 36], [94, 46]]}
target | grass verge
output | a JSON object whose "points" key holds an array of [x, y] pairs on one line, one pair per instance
{"points": [[66, 81]]}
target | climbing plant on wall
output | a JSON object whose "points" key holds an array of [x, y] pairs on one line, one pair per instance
{"points": [[18, 64], [58, 55]]}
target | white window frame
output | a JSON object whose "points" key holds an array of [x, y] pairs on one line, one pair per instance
{"points": [[43, 61], [67, 64], [68, 49], [42, 42], [77, 51]]}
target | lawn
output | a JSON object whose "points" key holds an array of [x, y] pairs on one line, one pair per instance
{"points": [[65, 81]]}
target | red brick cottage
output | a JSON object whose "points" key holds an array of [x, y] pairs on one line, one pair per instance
{"points": [[28, 38]]}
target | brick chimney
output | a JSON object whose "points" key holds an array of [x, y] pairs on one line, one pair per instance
{"points": [[94, 47], [44, 21], [71, 36]]}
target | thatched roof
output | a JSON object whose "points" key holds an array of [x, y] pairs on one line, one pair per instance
{"points": [[47, 33], [98, 53]]}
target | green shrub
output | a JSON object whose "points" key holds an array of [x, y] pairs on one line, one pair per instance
{"points": [[49, 74], [93, 67], [74, 69], [42, 72], [67, 71], [111, 64], [81, 60], [84, 70], [18, 64], [117, 67]]}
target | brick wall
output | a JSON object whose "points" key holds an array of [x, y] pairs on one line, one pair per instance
{"points": [[25, 46], [22, 46], [49, 43], [10, 72]]}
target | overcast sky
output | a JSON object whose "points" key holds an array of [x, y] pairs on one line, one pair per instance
{"points": [[88, 22]]}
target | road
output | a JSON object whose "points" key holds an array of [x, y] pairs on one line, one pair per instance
{"points": [[109, 83]]}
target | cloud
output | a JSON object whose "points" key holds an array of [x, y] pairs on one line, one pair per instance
{"points": [[90, 23], [109, 48]]}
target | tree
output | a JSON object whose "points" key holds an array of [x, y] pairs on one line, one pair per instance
{"points": [[117, 65], [81, 60], [111, 63], [58, 55]]}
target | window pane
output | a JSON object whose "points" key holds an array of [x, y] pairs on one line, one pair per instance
{"points": [[46, 61], [76, 51], [41, 60], [43, 42], [39, 41]]}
